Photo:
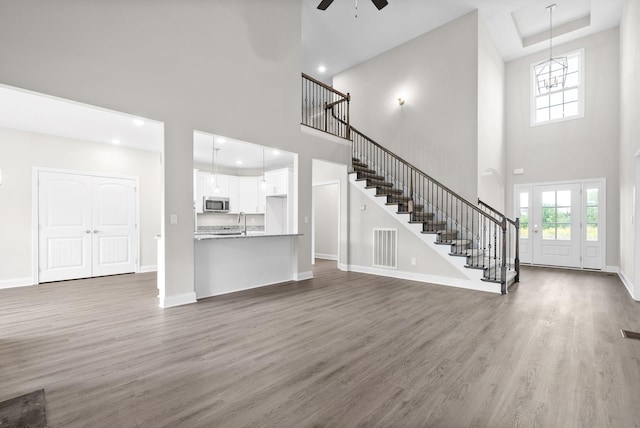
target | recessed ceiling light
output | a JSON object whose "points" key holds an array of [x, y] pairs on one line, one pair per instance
{"points": [[322, 69], [138, 122], [220, 140], [238, 162], [115, 141], [276, 152]]}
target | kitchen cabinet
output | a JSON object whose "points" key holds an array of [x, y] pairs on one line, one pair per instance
{"points": [[277, 182], [248, 194]]}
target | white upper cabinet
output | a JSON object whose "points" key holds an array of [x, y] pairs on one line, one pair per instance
{"points": [[248, 194], [277, 182]]}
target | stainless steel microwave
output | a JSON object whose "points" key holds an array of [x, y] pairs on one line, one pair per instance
{"points": [[215, 204]]}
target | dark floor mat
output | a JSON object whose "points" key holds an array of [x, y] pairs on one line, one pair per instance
{"points": [[630, 334], [26, 411]]}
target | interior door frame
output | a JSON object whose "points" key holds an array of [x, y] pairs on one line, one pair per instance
{"points": [[35, 212], [313, 215], [603, 219]]}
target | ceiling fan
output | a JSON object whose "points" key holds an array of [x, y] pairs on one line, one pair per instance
{"points": [[324, 4]]}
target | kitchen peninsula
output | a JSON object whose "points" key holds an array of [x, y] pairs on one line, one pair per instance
{"points": [[232, 262]]}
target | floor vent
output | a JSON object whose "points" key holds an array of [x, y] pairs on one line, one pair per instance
{"points": [[630, 334], [385, 248]]}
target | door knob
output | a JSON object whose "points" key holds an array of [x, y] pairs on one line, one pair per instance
{"points": [[87, 231], [95, 231]]}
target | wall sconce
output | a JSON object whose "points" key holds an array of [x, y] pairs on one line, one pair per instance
{"points": [[400, 101]]}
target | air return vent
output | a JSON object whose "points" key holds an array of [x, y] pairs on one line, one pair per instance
{"points": [[385, 248]]}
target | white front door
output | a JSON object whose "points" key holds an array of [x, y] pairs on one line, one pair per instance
{"points": [[86, 226], [556, 225], [562, 224]]}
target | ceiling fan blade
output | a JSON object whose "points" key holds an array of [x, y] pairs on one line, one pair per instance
{"points": [[378, 3], [324, 4]]}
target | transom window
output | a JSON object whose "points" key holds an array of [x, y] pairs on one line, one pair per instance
{"points": [[560, 102]]}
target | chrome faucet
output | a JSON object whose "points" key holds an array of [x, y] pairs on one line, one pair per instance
{"points": [[244, 232]]}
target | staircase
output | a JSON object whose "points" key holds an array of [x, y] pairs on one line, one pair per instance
{"points": [[484, 238]]}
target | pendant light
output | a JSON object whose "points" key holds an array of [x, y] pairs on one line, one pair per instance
{"points": [[551, 73], [214, 170]]}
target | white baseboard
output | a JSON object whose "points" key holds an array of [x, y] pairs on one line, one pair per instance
{"points": [[17, 282], [302, 276], [612, 269], [177, 300], [489, 287], [343, 267], [326, 256], [627, 283], [148, 268]]}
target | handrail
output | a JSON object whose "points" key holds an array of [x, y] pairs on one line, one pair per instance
{"points": [[325, 86]]}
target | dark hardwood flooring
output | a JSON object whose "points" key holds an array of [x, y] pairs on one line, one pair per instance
{"points": [[341, 350]]}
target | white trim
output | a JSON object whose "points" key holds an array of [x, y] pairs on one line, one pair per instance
{"points": [[581, 92], [35, 211], [327, 256], [177, 300], [324, 135], [16, 282], [627, 283], [148, 268], [302, 276], [612, 269], [489, 287]]}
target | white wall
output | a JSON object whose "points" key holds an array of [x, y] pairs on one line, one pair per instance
{"points": [[21, 151], [629, 139], [326, 215], [361, 225], [436, 129], [575, 149], [225, 67], [491, 140]]}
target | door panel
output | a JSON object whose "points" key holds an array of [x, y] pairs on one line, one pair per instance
{"points": [[556, 225], [64, 217], [114, 226]]}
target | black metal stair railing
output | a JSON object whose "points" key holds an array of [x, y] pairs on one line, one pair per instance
{"points": [[487, 239], [324, 108]]}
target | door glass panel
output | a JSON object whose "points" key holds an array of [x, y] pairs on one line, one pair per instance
{"points": [[564, 232], [524, 223], [592, 214], [549, 215], [549, 232], [548, 199], [524, 200], [564, 198]]}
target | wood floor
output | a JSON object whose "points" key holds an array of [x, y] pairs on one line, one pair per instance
{"points": [[341, 350]]}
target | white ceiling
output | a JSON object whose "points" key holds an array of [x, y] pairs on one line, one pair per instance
{"points": [[338, 40], [233, 151], [34, 112]]}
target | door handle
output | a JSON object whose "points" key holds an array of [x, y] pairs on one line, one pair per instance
{"points": [[95, 231], [535, 228], [87, 231]]}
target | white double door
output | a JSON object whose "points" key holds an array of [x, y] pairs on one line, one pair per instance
{"points": [[86, 226], [562, 224]]}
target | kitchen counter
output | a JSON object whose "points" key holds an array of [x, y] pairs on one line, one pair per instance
{"points": [[200, 237], [228, 263]]}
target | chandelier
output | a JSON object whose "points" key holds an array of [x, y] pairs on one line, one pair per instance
{"points": [[551, 73]]}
